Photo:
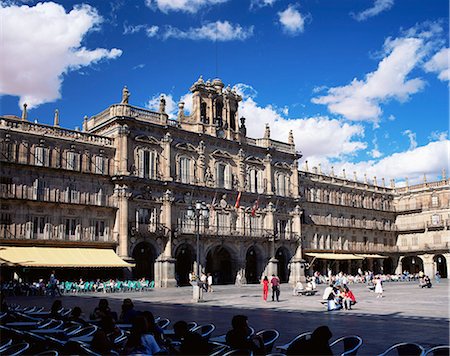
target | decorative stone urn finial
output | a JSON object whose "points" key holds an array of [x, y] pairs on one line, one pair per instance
{"points": [[24, 112], [56, 119]]}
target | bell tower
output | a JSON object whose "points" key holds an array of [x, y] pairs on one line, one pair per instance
{"points": [[215, 109]]}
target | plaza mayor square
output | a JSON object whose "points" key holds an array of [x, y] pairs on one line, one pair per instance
{"points": [[224, 177]]}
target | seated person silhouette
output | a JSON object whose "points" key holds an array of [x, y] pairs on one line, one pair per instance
{"points": [[240, 338], [191, 342]]}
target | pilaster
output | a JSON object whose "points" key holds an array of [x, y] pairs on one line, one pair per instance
{"points": [[268, 174], [167, 154]]}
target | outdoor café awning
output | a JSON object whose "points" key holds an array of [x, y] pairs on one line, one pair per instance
{"points": [[60, 257], [374, 255], [334, 256]]}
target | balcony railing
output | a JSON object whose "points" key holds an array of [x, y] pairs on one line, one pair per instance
{"points": [[411, 227], [436, 225], [356, 224], [213, 230], [12, 191], [409, 208]]}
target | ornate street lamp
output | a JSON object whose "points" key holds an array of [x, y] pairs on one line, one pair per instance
{"points": [[198, 212]]}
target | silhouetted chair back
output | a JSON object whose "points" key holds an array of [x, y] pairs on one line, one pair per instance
{"points": [[16, 349], [302, 336], [347, 345], [269, 337], [163, 322], [238, 352], [438, 351], [204, 331], [404, 349]]}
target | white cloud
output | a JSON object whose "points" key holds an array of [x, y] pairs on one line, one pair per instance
{"points": [[439, 63], [336, 140], [428, 159], [378, 6], [255, 4], [213, 31], [150, 31], [361, 100], [41, 44], [191, 6], [375, 152], [292, 21], [412, 139], [438, 136], [171, 105]]}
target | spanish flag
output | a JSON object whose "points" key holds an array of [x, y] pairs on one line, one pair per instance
{"points": [[238, 201]]}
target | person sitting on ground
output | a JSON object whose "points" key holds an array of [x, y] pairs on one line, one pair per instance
{"points": [[153, 328], [298, 288], [128, 311], [240, 338], [326, 293], [103, 339], [425, 282], [75, 316], [191, 343], [102, 310], [317, 344], [140, 341], [348, 298]]}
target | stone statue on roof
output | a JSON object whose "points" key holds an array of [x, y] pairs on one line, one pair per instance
{"points": [[125, 95]]}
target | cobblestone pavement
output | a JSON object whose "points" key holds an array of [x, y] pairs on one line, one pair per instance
{"points": [[405, 313]]}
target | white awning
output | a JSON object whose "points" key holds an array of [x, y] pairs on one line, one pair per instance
{"points": [[374, 255], [334, 256], [60, 257]]}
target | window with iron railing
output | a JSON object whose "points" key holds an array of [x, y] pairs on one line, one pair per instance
{"points": [[146, 219], [39, 224], [42, 156], [99, 230], [255, 180], [282, 182], [223, 175], [71, 229], [73, 161], [100, 165], [185, 170], [147, 164]]}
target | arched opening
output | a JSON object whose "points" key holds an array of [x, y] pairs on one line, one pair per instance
{"points": [[251, 266], [343, 266], [184, 264], [388, 266], [412, 264], [219, 264], [283, 259], [144, 256], [377, 266], [441, 265]]}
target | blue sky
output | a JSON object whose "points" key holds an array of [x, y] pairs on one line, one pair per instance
{"points": [[363, 84]]}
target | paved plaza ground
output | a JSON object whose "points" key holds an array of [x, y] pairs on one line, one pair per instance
{"points": [[405, 313]]}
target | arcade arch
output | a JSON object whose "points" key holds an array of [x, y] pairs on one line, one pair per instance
{"points": [[184, 255], [144, 256], [220, 264]]}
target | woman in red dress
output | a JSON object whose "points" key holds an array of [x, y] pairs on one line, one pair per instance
{"points": [[265, 284]]}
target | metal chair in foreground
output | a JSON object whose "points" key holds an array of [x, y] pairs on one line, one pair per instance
{"points": [[283, 348], [204, 331], [347, 345], [16, 349], [404, 349], [269, 337], [438, 351]]}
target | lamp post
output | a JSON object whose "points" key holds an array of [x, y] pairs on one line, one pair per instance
{"points": [[197, 212]]}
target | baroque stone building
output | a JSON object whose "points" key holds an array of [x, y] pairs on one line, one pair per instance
{"points": [[127, 180]]}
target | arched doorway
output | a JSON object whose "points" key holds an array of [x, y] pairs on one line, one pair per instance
{"points": [[412, 264], [283, 259], [441, 265], [219, 264], [184, 264], [251, 266], [388, 266], [144, 256]]}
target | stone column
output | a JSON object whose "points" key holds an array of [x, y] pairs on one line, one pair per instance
{"points": [[122, 152], [241, 169], [272, 266], [399, 268], [123, 195], [429, 267], [165, 264], [201, 162], [167, 155], [294, 189], [268, 174], [297, 262]]}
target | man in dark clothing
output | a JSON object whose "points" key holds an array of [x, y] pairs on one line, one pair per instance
{"points": [[317, 344], [275, 282], [191, 343], [240, 338]]}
